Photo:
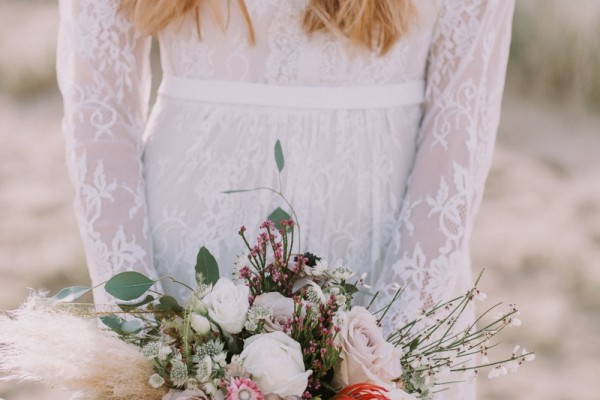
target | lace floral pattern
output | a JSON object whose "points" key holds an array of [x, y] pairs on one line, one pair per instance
{"points": [[392, 191]]}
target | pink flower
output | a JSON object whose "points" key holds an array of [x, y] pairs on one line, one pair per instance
{"points": [[366, 356], [243, 389]]}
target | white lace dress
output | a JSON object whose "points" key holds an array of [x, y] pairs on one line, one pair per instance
{"points": [[390, 187]]}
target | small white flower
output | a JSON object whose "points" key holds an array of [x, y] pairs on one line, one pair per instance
{"points": [[514, 321], [251, 325], [164, 351], [341, 273], [497, 371], [314, 294], [204, 369], [220, 359], [192, 384], [179, 374], [210, 388], [202, 290], [361, 281], [396, 287], [479, 295], [513, 365], [151, 350], [341, 300], [528, 357], [318, 270], [156, 381]]}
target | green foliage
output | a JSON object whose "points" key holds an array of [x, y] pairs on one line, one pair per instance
{"points": [[130, 307], [168, 304], [128, 285], [277, 216], [279, 156], [207, 269], [113, 322], [72, 293], [132, 326]]}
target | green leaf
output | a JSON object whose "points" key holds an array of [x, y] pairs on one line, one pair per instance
{"points": [[279, 156], [132, 326], [70, 294], [168, 304], [206, 267], [277, 216], [128, 307], [413, 345], [128, 285], [350, 289], [113, 322]]}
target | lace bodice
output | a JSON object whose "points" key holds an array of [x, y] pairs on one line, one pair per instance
{"points": [[459, 47]]}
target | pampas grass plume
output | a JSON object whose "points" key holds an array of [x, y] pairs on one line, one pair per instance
{"points": [[43, 342]]}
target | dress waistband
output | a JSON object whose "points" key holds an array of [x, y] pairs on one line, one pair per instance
{"points": [[314, 97]]}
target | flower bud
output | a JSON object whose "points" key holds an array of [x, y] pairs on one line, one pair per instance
{"points": [[200, 324]]}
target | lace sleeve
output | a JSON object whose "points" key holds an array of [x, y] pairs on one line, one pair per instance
{"points": [[104, 77], [465, 81]]}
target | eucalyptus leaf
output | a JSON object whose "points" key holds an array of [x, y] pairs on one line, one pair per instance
{"points": [[168, 304], [207, 269], [132, 326], [279, 156], [113, 322], [131, 306], [128, 285], [72, 293], [277, 216]]}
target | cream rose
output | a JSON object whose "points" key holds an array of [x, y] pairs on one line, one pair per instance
{"points": [[281, 306], [366, 356], [228, 305], [275, 361]]}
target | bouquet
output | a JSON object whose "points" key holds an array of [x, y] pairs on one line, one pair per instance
{"points": [[283, 327]]}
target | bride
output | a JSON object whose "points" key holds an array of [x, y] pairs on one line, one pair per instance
{"points": [[387, 112]]}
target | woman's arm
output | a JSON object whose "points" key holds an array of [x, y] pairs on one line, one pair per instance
{"points": [[465, 81], [104, 76]]}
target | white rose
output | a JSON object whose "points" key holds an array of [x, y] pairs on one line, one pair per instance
{"points": [[281, 306], [366, 356], [200, 324], [228, 305], [275, 361]]}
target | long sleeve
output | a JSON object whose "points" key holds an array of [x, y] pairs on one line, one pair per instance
{"points": [[465, 81], [104, 76]]}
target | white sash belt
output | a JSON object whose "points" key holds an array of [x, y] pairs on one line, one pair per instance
{"points": [[315, 97]]}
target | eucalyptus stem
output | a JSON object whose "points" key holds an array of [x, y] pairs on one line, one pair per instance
{"points": [[175, 281]]}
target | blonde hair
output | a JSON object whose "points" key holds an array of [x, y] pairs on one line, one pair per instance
{"points": [[374, 24]]}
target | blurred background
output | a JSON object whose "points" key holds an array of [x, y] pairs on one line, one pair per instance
{"points": [[537, 235]]}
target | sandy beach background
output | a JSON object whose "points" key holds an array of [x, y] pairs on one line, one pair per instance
{"points": [[537, 235]]}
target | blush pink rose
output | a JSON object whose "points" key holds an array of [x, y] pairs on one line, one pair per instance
{"points": [[366, 356]]}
